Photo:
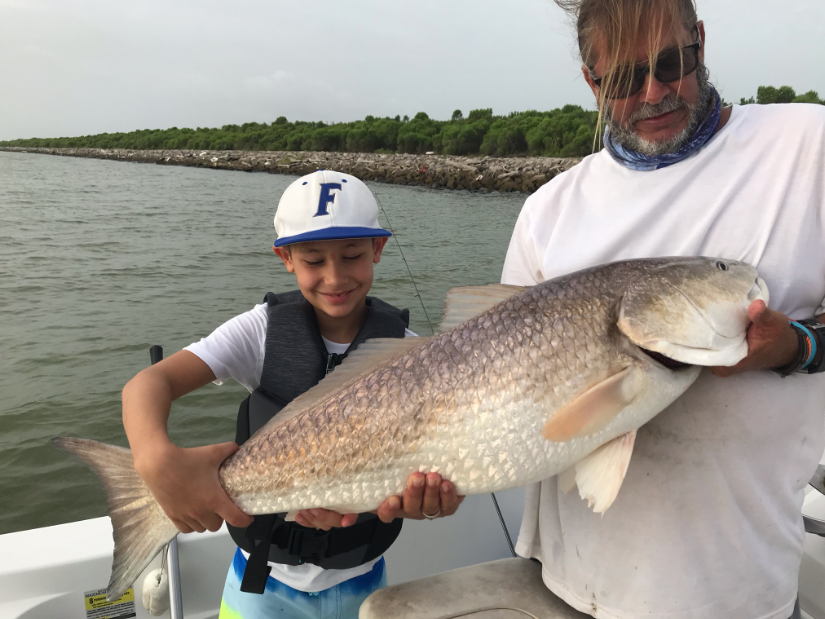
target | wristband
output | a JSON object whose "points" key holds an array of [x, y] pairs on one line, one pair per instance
{"points": [[810, 343], [817, 337]]}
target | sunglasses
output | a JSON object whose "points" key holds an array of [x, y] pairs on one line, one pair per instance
{"points": [[671, 65]]}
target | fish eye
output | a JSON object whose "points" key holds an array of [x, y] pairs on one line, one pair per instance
{"points": [[722, 266]]}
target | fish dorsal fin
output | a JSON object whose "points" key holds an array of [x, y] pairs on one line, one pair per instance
{"points": [[600, 474], [594, 408], [363, 360], [465, 302]]}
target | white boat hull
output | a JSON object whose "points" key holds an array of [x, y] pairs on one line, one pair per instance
{"points": [[44, 573]]}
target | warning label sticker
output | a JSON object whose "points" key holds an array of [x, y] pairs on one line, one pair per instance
{"points": [[98, 608]]}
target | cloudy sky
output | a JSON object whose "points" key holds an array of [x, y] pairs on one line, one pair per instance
{"points": [[90, 66]]}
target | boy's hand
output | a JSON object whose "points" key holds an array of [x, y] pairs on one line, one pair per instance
{"points": [[430, 495], [186, 484], [423, 495], [324, 519]]}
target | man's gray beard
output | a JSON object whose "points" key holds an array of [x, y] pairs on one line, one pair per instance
{"points": [[627, 137]]}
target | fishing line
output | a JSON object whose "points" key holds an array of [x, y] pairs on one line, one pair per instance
{"points": [[406, 264], [432, 329], [503, 525]]}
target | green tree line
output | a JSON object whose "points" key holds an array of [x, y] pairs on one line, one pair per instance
{"points": [[564, 132], [783, 94]]}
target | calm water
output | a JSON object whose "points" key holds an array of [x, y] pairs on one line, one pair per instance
{"points": [[99, 260]]}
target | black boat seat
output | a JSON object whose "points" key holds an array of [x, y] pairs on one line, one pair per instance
{"points": [[815, 526], [818, 480]]}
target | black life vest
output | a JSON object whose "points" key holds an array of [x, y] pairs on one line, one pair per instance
{"points": [[295, 360]]}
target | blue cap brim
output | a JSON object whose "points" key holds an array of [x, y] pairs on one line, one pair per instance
{"points": [[334, 234]]}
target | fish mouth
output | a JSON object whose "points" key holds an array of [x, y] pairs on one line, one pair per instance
{"points": [[670, 364], [690, 355], [758, 290], [727, 347]]}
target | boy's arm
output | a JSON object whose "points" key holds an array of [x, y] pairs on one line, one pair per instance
{"points": [[184, 481]]}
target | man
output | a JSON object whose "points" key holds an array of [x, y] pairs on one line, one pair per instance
{"points": [[707, 523]]}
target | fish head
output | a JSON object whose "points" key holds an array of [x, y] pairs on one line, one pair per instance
{"points": [[692, 310]]}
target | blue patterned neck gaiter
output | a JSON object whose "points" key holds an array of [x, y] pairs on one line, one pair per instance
{"points": [[637, 161]]}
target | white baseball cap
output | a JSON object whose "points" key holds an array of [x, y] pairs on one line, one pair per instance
{"points": [[324, 206]]}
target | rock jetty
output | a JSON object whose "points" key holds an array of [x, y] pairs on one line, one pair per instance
{"points": [[523, 174]]}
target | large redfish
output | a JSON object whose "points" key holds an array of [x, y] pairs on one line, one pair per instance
{"points": [[520, 385]]}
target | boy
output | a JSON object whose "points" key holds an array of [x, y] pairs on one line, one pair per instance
{"points": [[324, 564]]}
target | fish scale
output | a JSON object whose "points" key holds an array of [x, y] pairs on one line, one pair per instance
{"points": [[436, 401]]}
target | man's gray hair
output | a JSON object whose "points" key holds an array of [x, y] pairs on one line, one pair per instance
{"points": [[615, 18]]}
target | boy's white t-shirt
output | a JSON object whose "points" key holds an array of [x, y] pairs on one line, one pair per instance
{"points": [[236, 350], [707, 523]]}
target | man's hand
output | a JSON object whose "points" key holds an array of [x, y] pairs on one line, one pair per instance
{"points": [[186, 484], [423, 495], [772, 342]]}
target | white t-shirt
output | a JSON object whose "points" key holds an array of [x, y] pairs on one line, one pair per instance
{"points": [[236, 350], [707, 523]]}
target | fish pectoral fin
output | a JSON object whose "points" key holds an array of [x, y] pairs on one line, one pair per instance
{"points": [[567, 479], [600, 474], [466, 302], [594, 408]]}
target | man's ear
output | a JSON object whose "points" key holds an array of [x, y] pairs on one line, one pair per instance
{"points": [[284, 254], [589, 79], [700, 25], [377, 248]]}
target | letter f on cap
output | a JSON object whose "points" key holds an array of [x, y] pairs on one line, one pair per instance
{"points": [[326, 198]]}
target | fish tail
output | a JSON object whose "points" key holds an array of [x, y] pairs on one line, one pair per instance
{"points": [[139, 525]]}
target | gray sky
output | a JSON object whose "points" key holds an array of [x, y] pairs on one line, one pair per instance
{"points": [[75, 67]]}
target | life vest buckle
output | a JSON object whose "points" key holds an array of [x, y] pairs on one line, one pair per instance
{"points": [[308, 543]]}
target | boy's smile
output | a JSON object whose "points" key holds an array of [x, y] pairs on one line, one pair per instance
{"points": [[335, 277], [338, 298]]}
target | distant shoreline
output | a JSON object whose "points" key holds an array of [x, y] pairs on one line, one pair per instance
{"points": [[520, 174]]}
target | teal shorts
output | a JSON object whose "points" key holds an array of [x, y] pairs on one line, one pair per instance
{"points": [[280, 601]]}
